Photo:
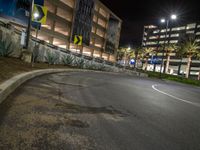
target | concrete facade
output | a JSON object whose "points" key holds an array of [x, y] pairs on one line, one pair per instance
{"points": [[155, 37], [59, 25]]}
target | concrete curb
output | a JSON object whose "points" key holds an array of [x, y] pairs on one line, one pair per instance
{"points": [[9, 86]]}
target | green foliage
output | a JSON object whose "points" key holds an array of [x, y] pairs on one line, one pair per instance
{"points": [[80, 63], [51, 58], [189, 47], [68, 60], [174, 78], [35, 53], [102, 67], [5, 48]]}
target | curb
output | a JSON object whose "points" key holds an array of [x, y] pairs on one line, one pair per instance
{"points": [[9, 86]]}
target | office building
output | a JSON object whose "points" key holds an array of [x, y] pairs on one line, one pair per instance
{"points": [[155, 37], [99, 27]]}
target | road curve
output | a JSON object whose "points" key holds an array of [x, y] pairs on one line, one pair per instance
{"points": [[100, 111]]}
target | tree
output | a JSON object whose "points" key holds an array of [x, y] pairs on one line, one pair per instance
{"points": [[189, 48], [123, 53], [145, 54], [138, 51], [169, 49]]}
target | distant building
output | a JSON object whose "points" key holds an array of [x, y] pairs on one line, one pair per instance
{"points": [[154, 37]]}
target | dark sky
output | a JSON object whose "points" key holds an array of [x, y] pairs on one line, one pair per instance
{"points": [[136, 14]]}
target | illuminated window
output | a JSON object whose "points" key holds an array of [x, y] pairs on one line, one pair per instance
{"points": [[175, 35], [153, 37], [101, 22], [174, 41], [70, 3], [64, 14], [95, 18], [50, 7], [191, 26], [103, 12], [48, 24], [100, 33], [62, 28]]}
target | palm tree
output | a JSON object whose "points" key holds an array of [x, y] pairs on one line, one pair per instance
{"points": [[145, 54], [123, 53], [138, 51], [190, 48], [170, 48]]}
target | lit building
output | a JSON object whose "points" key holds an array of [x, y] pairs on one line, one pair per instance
{"points": [[64, 17], [154, 37]]}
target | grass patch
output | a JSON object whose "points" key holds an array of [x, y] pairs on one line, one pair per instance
{"points": [[174, 78]]}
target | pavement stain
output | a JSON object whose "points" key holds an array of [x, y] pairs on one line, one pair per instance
{"points": [[75, 108], [35, 120]]}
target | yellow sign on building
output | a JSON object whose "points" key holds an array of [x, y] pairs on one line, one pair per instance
{"points": [[78, 40], [39, 14]]}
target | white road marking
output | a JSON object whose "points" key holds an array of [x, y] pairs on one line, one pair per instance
{"points": [[174, 97]]}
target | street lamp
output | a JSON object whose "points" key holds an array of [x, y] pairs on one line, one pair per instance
{"points": [[127, 49], [36, 15], [29, 23], [167, 21]]}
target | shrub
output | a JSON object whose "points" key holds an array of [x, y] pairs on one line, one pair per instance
{"points": [[79, 63], [51, 58], [35, 53], [5, 48], [67, 60]]}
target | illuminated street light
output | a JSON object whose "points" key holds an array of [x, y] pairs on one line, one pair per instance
{"points": [[162, 20], [173, 17], [36, 15]]}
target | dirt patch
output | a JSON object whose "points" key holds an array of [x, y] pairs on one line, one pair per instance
{"points": [[10, 67]]}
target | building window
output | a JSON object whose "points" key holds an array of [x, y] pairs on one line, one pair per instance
{"points": [[51, 8], [62, 28], [100, 33], [156, 31], [102, 23], [198, 33], [175, 35], [93, 29], [103, 12], [95, 18], [190, 32], [64, 14], [48, 24], [164, 36], [153, 37], [191, 26], [151, 43], [69, 3], [173, 41]]}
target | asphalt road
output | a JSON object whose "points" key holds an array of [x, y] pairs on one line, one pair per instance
{"points": [[99, 111]]}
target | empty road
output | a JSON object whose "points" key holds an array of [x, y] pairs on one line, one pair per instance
{"points": [[100, 111]]}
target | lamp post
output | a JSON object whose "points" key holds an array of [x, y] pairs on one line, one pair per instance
{"points": [[36, 15], [163, 20], [126, 49], [29, 24]]}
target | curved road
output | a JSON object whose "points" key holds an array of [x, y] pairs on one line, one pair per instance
{"points": [[99, 111]]}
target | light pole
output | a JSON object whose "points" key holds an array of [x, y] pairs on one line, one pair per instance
{"points": [[126, 49], [167, 21], [36, 15], [29, 24]]}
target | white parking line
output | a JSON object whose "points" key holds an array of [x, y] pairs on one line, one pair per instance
{"points": [[174, 97]]}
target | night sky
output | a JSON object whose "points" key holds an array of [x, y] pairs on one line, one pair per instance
{"points": [[136, 14]]}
